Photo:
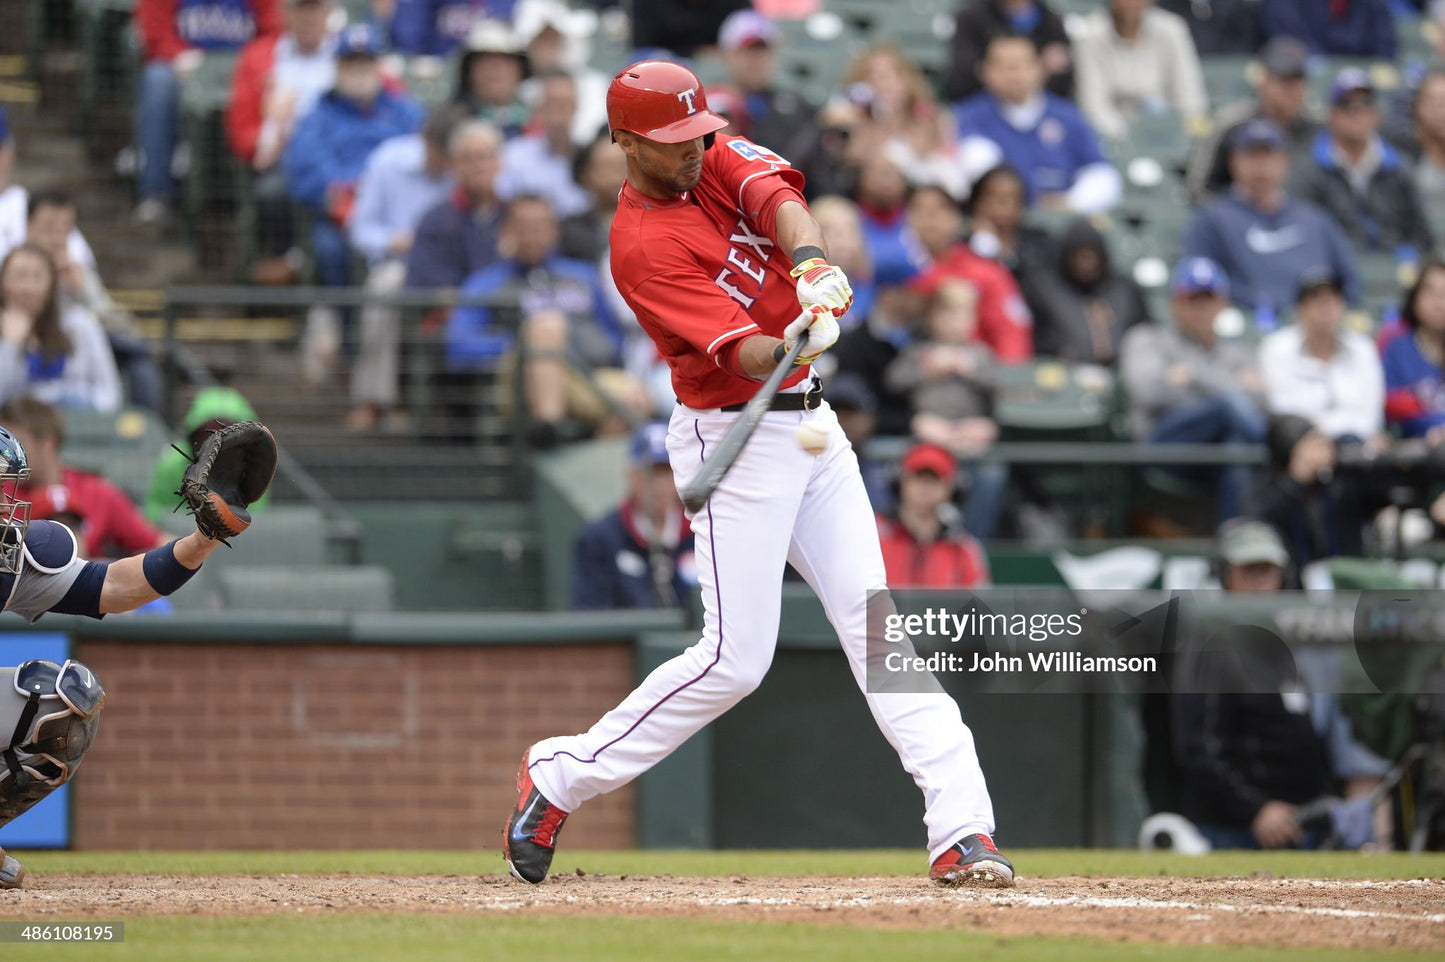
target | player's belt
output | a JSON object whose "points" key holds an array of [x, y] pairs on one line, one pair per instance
{"points": [[796, 401]]}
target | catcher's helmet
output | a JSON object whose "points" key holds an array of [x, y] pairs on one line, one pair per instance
{"points": [[662, 101], [14, 513]]}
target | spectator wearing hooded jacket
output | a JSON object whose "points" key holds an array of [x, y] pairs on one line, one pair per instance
{"points": [[1359, 179], [1083, 309], [1264, 238], [322, 163], [437, 27], [175, 36], [1339, 28]]}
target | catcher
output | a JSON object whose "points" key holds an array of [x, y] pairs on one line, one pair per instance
{"points": [[48, 712]]}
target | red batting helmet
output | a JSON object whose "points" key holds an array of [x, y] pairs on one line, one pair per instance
{"points": [[662, 101]]}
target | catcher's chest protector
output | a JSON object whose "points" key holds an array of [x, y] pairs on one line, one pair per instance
{"points": [[48, 718]]}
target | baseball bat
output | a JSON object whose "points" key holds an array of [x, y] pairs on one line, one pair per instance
{"points": [[716, 465]]}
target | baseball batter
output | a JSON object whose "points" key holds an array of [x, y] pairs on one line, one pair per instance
{"points": [[714, 248]]}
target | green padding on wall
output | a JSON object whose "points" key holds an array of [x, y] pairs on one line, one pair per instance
{"points": [[675, 798], [574, 485]]}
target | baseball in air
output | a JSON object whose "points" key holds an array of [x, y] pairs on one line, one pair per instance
{"points": [[813, 437]]}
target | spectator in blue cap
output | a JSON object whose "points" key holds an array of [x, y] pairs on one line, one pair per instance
{"points": [[322, 163], [1187, 386], [1361, 181], [1264, 238], [641, 554]]}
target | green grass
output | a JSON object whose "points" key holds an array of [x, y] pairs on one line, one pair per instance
{"points": [[438, 938], [1031, 863]]}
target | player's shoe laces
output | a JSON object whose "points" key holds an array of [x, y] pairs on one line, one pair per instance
{"points": [[973, 860], [530, 839], [12, 873]]}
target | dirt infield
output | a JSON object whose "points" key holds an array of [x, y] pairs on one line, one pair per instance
{"points": [[1407, 914]]}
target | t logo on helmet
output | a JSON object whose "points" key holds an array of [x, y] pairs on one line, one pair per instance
{"points": [[687, 97]]}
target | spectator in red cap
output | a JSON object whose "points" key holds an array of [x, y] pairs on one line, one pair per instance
{"points": [[924, 544], [112, 524]]}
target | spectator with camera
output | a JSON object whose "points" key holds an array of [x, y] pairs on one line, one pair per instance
{"points": [[1323, 496], [1359, 179], [1413, 360], [1317, 369], [923, 540], [50, 350], [1263, 237], [979, 22], [114, 527], [1186, 385], [641, 554], [322, 163], [1252, 751], [1043, 136], [175, 37]]}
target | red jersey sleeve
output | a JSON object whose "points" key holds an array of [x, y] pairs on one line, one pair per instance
{"points": [[756, 181], [246, 114]]}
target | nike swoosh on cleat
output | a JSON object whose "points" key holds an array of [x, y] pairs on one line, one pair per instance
{"points": [[520, 833]]}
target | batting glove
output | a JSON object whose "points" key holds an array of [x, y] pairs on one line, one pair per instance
{"points": [[821, 285], [822, 330]]}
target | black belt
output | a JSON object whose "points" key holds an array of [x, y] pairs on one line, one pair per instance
{"points": [[806, 401]]}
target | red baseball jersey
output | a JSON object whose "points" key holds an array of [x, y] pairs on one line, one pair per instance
{"points": [[702, 271]]}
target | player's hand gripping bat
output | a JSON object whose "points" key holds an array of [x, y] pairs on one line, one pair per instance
{"points": [[716, 466]]}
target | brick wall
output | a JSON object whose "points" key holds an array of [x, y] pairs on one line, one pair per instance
{"points": [[274, 746]]}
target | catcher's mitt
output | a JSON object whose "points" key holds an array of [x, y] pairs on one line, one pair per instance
{"points": [[232, 469]]}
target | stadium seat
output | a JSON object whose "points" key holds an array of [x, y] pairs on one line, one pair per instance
{"points": [[281, 535], [318, 588], [1227, 78]]}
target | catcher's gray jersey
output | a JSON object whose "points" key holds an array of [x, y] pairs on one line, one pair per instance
{"points": [[52, 562]]}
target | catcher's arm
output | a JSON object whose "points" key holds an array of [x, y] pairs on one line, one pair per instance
{"points": [[126, 586]]}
